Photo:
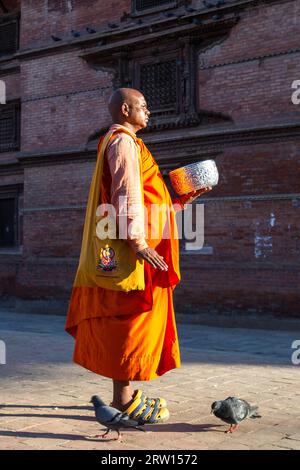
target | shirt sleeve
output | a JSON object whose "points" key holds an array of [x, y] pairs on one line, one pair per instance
{"points": [[126, 191]]}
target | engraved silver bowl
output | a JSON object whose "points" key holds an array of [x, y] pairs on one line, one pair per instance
{"points": [[194, 176]]}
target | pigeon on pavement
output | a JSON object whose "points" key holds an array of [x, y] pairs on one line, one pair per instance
{"points": [[233, 411], [112, 418]]}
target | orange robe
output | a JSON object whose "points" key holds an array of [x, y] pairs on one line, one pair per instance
{"points": [[132, 335]]}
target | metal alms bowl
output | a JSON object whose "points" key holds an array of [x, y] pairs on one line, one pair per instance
{"points": [[194, 176]]}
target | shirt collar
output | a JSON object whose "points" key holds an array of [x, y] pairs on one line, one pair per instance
{"points": [[114, 127]]}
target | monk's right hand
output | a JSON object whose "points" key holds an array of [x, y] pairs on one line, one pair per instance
{"points": [[153, 258]]}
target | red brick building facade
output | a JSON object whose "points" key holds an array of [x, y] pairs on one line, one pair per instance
{"points": [[218, 76]]}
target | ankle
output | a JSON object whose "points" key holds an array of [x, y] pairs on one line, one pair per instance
{"points": [[121, 405]]}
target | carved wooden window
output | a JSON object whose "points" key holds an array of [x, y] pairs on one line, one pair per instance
{"points": [[8, 222], [141, 5], [9, 37], [158, 83], [9, 127]]}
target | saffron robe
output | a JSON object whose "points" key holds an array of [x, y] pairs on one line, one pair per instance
{"points": [[132, 335]]}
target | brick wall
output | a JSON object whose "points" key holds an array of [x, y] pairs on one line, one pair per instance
{"points": [[58, 110], [251, 218], [257, 90], [43, 18]]}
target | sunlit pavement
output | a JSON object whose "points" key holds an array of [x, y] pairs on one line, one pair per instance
{"points": [[44, 397]]}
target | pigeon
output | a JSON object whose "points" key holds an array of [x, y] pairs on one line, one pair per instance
{"points": [[207, 4], [90, 30], [189, 9], [126, 16], [168, 14], [217, 4], [112, 418], [112, 25], [233, 410], [75, 34], [55, 38]]}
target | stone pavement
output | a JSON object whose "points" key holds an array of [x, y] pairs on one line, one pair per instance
{"points": [[44, 397]]}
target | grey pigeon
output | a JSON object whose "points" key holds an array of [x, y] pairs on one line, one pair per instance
{"points": [[189, 9], [90, 30], [233, 410], [112, 418], [55, 38], [75, 34], [112, 25]]}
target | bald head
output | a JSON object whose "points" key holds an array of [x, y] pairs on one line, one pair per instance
{"points": [[128, 106], [123, 95]]}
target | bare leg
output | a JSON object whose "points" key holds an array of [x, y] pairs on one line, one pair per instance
{"points": [[122, 394]]}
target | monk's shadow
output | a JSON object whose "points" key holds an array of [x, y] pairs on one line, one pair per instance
{"points": [[50, 407], [42, 435], [54, 408], [46, 415]]}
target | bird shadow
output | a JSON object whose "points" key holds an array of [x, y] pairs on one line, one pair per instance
{"points": [[183, 427], [104, 439], [170, 427]]}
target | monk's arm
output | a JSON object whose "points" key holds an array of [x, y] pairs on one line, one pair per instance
{"points": [[179, 203], [126, 183], [126, 191]]}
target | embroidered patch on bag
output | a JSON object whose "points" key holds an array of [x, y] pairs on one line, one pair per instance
{"points": [[106, 261]]}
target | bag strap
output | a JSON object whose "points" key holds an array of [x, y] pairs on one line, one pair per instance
{"points": [[100, 157]]}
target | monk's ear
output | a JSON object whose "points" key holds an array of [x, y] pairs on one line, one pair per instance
{"points": [[125, 109]]}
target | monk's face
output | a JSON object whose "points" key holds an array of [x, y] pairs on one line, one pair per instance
{"points": [[137, 113]]}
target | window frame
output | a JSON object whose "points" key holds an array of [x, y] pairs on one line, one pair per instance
{"points": [[138, 64], [15, 106], [13, 193], [6, 20]]}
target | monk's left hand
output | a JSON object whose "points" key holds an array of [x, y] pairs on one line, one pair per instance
{"points": [[190, 197]]}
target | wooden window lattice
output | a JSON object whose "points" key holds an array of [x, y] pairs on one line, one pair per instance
{"points": [[8, 37], [9, 127], [7, 222], [158, 83]]}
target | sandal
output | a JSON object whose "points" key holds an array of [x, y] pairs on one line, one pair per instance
{"points": [[162, 403], [144, 413]]}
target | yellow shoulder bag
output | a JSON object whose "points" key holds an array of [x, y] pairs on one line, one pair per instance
{"points": [[109, 263]]}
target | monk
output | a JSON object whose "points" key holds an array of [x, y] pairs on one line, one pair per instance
{"points": [[132, 335]]}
